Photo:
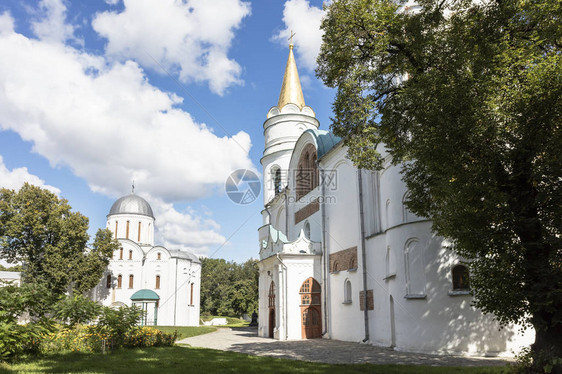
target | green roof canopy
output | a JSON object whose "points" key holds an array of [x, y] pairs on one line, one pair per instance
{"points": [[145, 295]]}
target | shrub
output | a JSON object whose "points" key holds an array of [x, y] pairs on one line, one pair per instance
{"points": [[143, 337], [76, 309], [17, 339]]}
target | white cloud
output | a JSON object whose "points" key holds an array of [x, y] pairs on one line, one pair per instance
{"points": [[185, 229], [190, 38], [110, 126], [51, 24], [304, 20], [15, 178]]}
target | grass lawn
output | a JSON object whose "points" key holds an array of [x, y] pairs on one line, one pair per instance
{"points": [[208, 361], [187, 331]]}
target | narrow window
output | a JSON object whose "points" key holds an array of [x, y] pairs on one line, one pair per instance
{"points": [[121, 253], [127, 230], [119, 281], [191, 295], [116, 227], [277, 181], [461, 281], [158, 256], [131, 281], [157, 282], [139, 232], [108, 281], [271, 295], [307, 230], [347, 292], [130, 255], [415, 268]]}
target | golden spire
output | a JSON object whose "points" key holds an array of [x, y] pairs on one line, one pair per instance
{"points": [[291, 91]]}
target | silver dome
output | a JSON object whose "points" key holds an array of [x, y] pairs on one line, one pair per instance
{"points": [[131, 204]]}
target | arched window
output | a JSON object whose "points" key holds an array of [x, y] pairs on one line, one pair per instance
{"points": [[387, 213], [127, 231], [415, 269], [119, 281], [130, 254], [271, 295], [108, 281], [347, 292], [121, 253], [407, 216], [352, 264], [131, 278], [158, 256], [335, 267], [157, 286], [307, 171], [307, 230], [277, 181], [116, 227], [139, 232], [461, 281], [310, 292]]}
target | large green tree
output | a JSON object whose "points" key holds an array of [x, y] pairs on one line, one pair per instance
{"points": [[41, 231], [228, 288], [468, 95]]}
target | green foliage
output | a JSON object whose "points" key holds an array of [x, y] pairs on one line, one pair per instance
{"points": [[39, 230], [228, 288], [469, 95], [82, 338], [16, 303], [144, 337], [118, 323], [17, 268], [76, 309]]}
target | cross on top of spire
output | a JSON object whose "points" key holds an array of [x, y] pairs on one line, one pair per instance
{"points": [[291, 38]]}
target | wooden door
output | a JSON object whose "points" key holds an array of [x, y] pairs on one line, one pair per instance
{"points": [[311, 323], [271, 321], [311, 312], [271, 304]]}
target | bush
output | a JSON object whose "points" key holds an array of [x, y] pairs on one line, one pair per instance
{"points": [[18, 339], [143, 337], [76, 309], [80, 338]]}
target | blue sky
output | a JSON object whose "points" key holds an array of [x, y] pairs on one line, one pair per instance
{"points": [[171, 94]]}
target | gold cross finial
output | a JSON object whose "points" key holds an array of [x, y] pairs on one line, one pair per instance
{"points": [[291, 38], [133, 191]]}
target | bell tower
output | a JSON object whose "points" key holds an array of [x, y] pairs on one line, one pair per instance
{"points": [[285, 123]]}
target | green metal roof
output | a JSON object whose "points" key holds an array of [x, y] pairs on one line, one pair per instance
{"points": [[145, 295], [325, 141]]}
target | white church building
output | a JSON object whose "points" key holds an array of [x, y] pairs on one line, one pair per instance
{"points": [[164, 283], [341, 257]]}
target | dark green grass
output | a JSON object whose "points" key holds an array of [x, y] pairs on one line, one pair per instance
{"points": [[198, 360], [187, 331]]}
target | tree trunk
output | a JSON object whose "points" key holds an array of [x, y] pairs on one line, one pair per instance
{"points": [[547, 348]]}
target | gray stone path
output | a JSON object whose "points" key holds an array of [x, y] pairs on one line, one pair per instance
{"points": [[245, 340]]}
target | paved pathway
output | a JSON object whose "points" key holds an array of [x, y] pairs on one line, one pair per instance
{"points": [[245, 340]]}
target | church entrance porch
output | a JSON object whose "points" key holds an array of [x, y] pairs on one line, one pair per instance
{"points": [[311, 314], [147, 301]]}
